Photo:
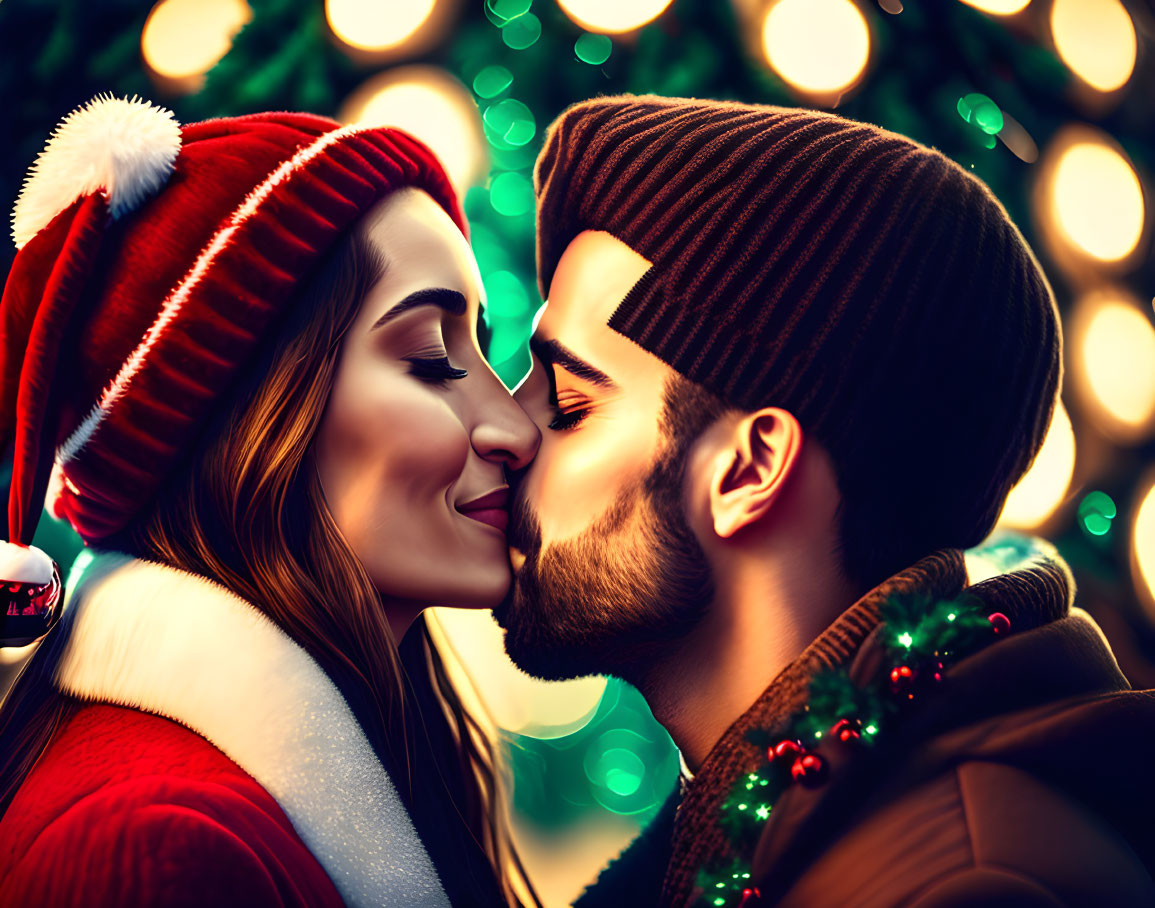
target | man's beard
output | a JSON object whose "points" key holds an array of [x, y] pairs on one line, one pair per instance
{"points": [[612, 599]]}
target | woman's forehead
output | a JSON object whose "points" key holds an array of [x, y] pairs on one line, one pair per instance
{"points": [[420, 242]]}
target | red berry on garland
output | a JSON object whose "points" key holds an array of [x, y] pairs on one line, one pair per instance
{"points": [[1000, 623], [846, 730], [809, 769], [902, 679], [750, 897], [786, 751]]}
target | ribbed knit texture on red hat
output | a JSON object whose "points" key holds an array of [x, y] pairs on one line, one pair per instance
{"points": [[167, 305], [862, 281]]}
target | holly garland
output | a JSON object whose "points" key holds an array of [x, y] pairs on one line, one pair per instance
{"points": [[920, 637]]}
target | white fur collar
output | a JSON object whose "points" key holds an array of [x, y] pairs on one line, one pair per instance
{"points": [[168, 642]]}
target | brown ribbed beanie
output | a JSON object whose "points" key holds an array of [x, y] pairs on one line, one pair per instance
{"points": [[862, 281]]}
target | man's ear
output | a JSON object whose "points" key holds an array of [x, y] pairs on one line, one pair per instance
{"points": [[754, 466]]}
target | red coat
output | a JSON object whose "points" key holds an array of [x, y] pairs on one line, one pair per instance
{"points": [[142, 811], [224, 766]]}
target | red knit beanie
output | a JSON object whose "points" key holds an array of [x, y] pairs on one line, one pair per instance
{"points": [[153, 260], [860, 280]]}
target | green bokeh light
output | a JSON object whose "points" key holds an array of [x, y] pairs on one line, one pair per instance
{"points": [[621, 762], [593, 49], [511, 194], [521, 32], [617, 771], [510, 9], [509, 124], [984, 113], [507, 337], [1096, 512], [506, 295], [520, 132], [501, 12], [509, 158], [491, 253], [492, 81], [623, 771]]}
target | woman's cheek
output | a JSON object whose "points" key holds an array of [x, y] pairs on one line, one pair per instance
{"points": [[427, 446]]}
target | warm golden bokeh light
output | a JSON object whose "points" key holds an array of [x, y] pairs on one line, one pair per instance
{"points": [[183, 39], [1143, 547], [375, 25], [613, 17], [430, 104], [818, 46], [999, 7], [1117, 365], [1096, 39], [1042, 489], [1097, 201], [515, 701]]}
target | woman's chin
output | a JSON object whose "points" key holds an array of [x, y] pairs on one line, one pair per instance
{"points": [[474, 586], [488, 591]]}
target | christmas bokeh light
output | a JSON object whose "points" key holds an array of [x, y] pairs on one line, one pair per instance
{"points": [[184, 39], [517, 703], [817, 46], [432, 105], [1042, 489], [1095, 199], [1143, 546], [375, 25], [613, 16], [1115, 363], [1096, 39], [999, 7]]}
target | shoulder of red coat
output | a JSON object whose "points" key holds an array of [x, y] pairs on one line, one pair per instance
{"points": [[124, 801]]}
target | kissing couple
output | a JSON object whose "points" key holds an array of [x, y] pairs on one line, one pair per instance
{"points": [[789, 369]]}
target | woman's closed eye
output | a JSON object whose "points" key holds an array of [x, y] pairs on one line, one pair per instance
{"points": [[434, 368]]}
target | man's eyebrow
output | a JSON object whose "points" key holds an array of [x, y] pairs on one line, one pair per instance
{"points": [[550, 352], [449, 300]]}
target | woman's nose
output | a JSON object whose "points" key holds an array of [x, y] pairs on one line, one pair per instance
{"points": [[506, 434]]}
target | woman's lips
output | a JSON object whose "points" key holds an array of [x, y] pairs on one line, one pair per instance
{"points": [[495, 517], [492, 509]]}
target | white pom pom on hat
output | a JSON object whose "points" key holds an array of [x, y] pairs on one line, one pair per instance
{"points": [[124, 147]]}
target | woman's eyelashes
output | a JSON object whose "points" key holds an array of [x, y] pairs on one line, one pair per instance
{"points": [[434, 369]]}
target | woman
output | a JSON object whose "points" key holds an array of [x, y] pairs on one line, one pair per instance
{"points": [[239, 358]]}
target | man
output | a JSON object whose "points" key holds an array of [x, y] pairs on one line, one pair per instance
{"points": [[790, 367]]}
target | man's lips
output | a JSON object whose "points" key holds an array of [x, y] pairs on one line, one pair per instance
{"points": [[492, 509]]}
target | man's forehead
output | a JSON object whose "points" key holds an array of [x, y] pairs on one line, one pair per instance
{"points": [[593, 275]]}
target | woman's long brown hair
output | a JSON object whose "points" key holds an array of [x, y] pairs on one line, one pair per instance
{"points": [[248, 511]]}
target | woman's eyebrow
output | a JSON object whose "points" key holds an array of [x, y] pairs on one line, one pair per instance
{"points": [[449, 300]]}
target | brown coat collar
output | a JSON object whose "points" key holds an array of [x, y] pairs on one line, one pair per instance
{"points": [[698, 840], [1039, 594]]}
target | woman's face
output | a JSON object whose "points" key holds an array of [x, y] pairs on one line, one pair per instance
{"points": [[418, 429]]}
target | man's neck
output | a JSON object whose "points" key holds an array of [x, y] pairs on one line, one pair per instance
{"points": [[759, 622]]}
